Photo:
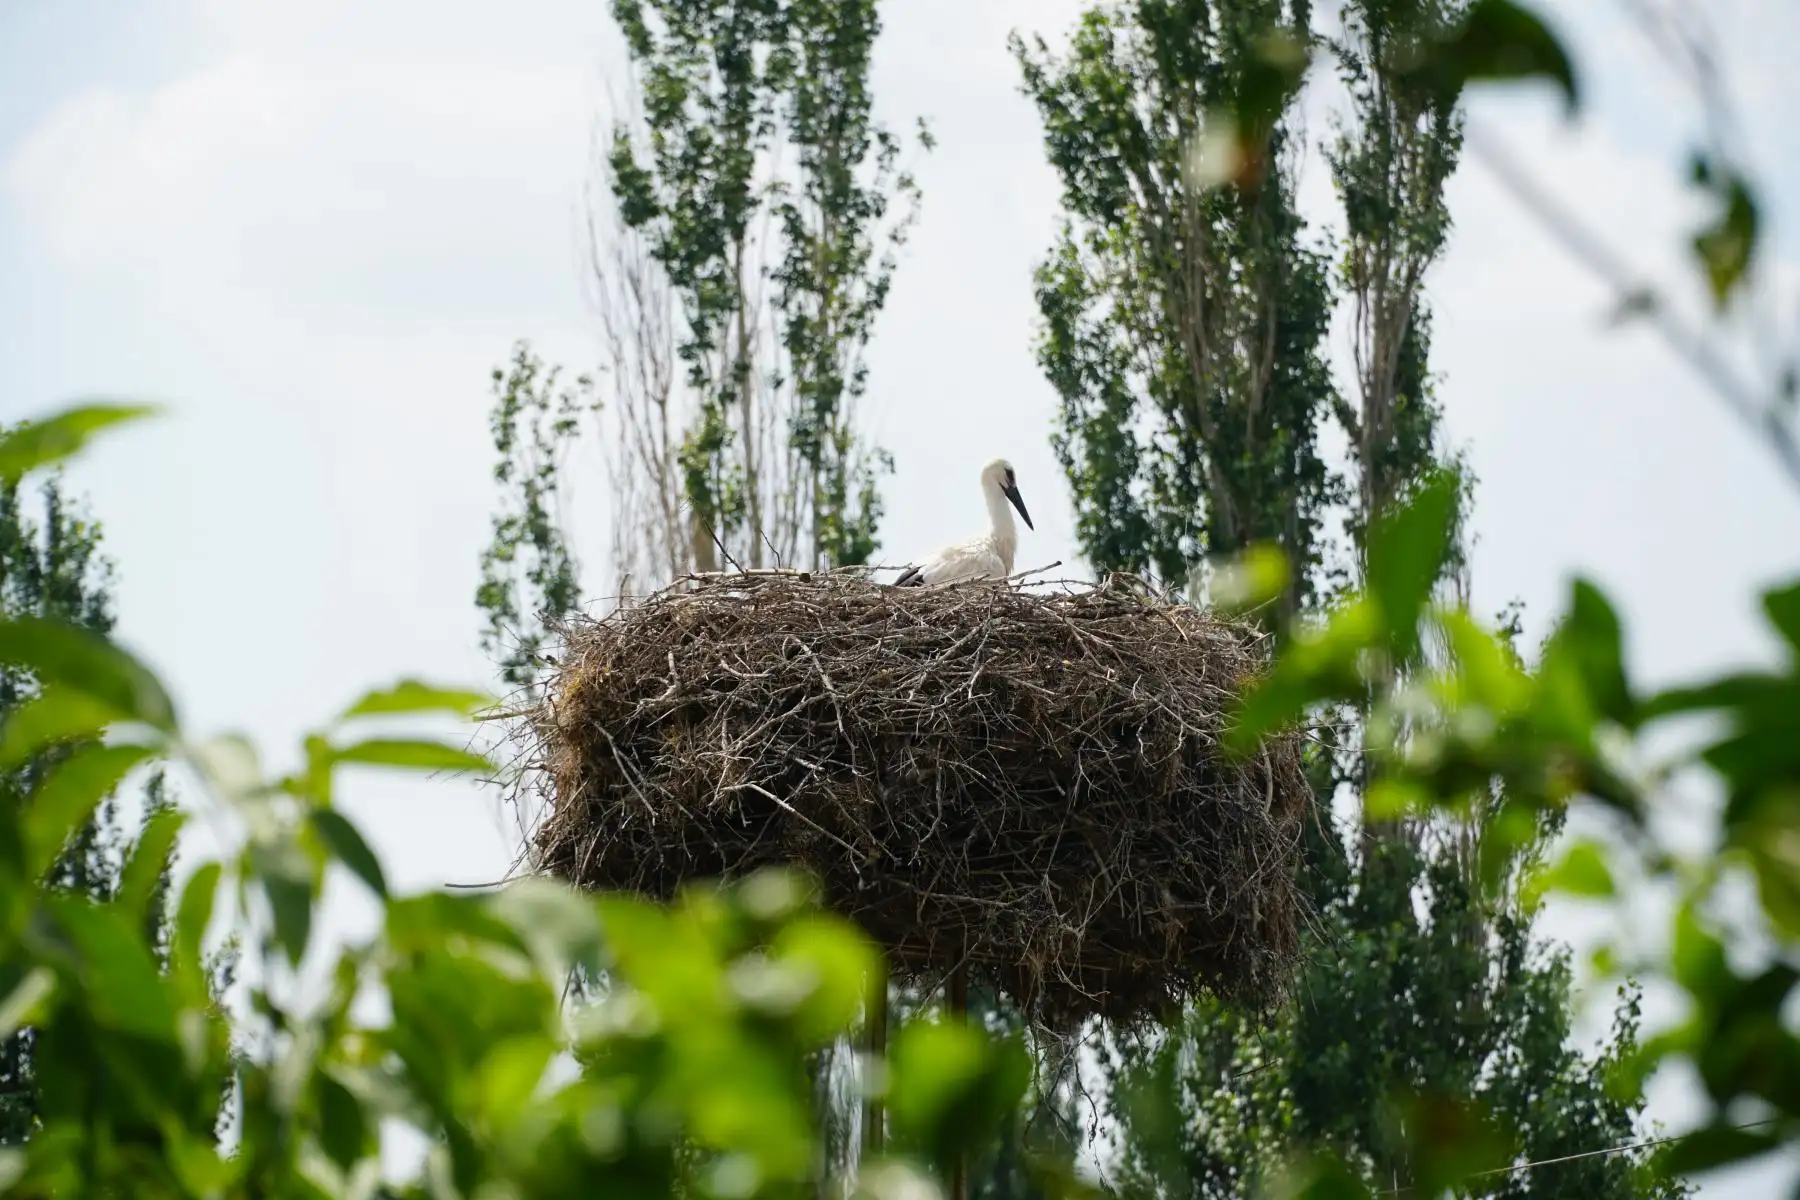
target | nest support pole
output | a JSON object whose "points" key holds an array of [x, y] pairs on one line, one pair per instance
{"points": [[959, 1008], [875, 1036]]}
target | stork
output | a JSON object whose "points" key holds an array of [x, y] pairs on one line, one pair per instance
{"points": [[985, 556]]}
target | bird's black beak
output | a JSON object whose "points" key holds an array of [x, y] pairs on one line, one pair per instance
{"points": [[1012, 493]]}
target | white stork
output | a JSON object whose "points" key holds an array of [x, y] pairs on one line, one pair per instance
{"points": [[985, 556]]}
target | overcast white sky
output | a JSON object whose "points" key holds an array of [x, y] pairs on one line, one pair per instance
{"points": [[312, 227]]}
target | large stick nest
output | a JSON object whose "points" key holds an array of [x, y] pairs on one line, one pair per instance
{"points": [[1028, 784]]}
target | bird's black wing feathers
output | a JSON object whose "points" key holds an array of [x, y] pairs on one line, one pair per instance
{"points": [[911, 577]]}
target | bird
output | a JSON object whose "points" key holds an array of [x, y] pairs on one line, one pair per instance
{"points": [[988, 555]]}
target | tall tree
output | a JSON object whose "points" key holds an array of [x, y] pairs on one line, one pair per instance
{"points": [[1183, 320], [755, 190], [744, 238], [1391, 155], [51, 566], [1416, 988], [1183, 325], [779, 252], [529, 573]]}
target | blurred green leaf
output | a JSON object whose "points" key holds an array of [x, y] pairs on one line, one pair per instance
{"points": [[890, 1179], [1409, 547], [413, 696], [1767, 830], [106, 951], [1232, 146], [1782, 605], [1727, 246], [150, 856], [1315, 665], [419, 924], [1717, 1146], [510, 1071], [1496, 40], [230, 763], [24, 1005], [33, 444], [1272, 74], [1756, 755], [559, 925], [1590, 640], [412, 753], [1696, 956], [1515, 827], [1486, 673], [774, 894], [1249, 580], [1317, 1178], [348, 847], [840, 961], [1582, 870], [1747, 1049], [83, 662], [315, 782], [952, 1086], [744, 1095], [69, 795], [1752, 692], [194, 914], [55, 715], [670, 961], [286, 875], [1453, 1140], [344, 1130], [1390, 798]]}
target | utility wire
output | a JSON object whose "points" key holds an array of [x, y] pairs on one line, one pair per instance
{"points": [[1516, 1168], [1690, 345]]}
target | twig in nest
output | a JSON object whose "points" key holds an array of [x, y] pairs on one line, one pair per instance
{"points": [[1031, 781]]}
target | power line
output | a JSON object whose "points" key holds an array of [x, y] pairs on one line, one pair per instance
{"points": [[1547, 1162]]}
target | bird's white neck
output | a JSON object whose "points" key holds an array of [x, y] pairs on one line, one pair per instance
{"points": [[1004, 532]]}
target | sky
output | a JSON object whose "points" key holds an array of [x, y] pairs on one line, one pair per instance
{"points": [[312, 229]]}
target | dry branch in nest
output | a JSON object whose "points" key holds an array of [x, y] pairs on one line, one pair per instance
{"points": [[1031, 784]]}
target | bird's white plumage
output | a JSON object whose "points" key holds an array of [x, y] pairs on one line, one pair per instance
{"points": [[977, 558], [986, 555]]}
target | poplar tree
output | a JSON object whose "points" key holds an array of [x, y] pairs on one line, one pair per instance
{"points": [[771, 205], [1183, 319], [1183, 325], [743, 243]]}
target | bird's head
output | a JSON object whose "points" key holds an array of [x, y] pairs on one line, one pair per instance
{"points": [[999, 477]]}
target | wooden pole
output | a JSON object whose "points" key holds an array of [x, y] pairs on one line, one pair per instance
{"points": [[875, 1035], [959, 1007]]}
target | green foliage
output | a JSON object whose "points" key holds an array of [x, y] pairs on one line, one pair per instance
{"points": [[1393, 152], [56, 780], [952, 1085], [753, 111], [1420, 989], [688, 1075], [1727, 246], [832, 283], [33, 444], [1429, 1035], [1483, 730], [1040, 1137], [1183, 325], [1493, 40], [1429, 1049], [529, 575]]}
